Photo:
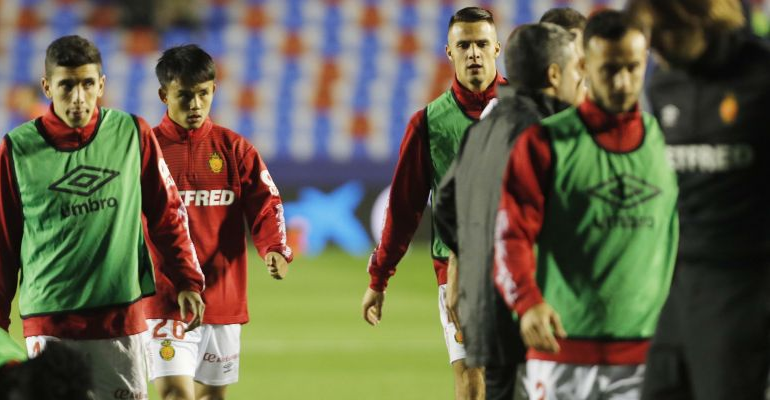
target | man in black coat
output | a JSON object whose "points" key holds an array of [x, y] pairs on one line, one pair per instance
{"points": [[544, 76], [712, 100]]}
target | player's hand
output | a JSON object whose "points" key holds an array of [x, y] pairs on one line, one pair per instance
{"points": [[538, 327], [372, 305], [191, 302], [452, 291], [276, 265]]}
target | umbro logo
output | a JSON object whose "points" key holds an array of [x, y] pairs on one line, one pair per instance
{"points": [[84, 180], [624, 191]]}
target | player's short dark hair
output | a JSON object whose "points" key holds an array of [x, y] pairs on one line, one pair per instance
{"points": [[531, 49], [566, 17], [189, 64], [610, 25], [471, 14], [71, 51], [59, 372]]}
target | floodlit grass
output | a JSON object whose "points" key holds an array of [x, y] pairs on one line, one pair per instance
{"points": [[307, 338]]}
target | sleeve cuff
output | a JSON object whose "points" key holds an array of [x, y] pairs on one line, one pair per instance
{"points": [[527, 299], [377, 281], [191, 286], [285, 251]]}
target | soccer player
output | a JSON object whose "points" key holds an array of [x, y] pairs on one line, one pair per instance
{"points": [[569, 19], [222, 180], [712, 100], [74, 186], [544, 77], [428, 147], [591, 187]]}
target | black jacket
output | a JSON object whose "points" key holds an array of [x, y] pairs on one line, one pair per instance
{"points": [[466, 205], [716, 119]]}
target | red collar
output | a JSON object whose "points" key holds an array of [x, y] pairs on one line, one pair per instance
{"points": [[474, 103], [597, 119], [62, 135], [622, 132], [176, 132]]}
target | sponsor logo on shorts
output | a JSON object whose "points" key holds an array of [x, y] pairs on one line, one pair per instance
{"points": [[125, 394], [216, 163], [228, 367], [198, 198], [213, 358], [167, 351], [459, 337]]}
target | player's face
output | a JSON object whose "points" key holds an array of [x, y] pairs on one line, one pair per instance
{"points": [[473, 47], [571, 88], [615, 70], [74, 92], [188, 105]]}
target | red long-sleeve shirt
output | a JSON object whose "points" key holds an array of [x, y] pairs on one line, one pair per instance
{"points": [[163, 213], [526, 186], [222, 179], [411, 187]]}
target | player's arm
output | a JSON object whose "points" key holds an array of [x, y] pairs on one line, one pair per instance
{"points": [[409, 193], [10, 234], [519, 220], [263, 211], [168, 228], [452, 293]]}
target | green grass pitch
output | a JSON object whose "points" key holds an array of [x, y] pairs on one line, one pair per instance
{"points": [[307, 338]]}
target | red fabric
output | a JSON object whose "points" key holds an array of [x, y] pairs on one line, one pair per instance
{"points": [[411, 187], [217, 230], [166, 224], [588, 352], [526, 182]]}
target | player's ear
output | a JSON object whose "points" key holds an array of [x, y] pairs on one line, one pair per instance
{"points": [[497, 49], [448, 52], [214, 89], [102, 79], [46, 85], [554, 75], [163, 95]]}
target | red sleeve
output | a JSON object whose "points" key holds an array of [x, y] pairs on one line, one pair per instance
{"points": [[409, 193], [261, 203], [167, 217], [10, 234], [520, 218]]}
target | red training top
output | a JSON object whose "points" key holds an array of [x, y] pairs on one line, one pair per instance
{"points": [[221, 179]]}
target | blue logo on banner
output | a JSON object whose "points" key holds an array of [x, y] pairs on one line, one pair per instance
{"points": [[330, 217]]}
